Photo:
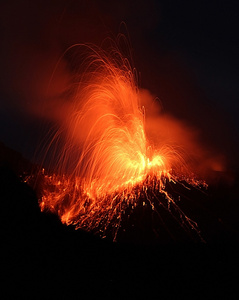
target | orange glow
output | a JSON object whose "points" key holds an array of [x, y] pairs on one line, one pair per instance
{"points": [[107, 162]]}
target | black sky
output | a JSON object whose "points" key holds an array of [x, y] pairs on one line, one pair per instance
{"points": [[186, 53]]}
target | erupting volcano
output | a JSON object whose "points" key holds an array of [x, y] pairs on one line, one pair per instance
{"points": [[104, 164]]}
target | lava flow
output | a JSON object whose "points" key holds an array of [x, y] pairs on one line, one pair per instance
{"points": [[103, 161]]}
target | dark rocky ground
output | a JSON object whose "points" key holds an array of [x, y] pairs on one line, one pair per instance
{"points": [[41, 258]]}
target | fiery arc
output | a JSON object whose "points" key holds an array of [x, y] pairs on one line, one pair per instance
{"points": [[106, 162]]}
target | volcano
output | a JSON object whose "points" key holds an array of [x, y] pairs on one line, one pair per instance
{"points": [[112, 208]]}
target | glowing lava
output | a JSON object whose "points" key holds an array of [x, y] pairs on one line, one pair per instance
{"points": [[107, 163]]}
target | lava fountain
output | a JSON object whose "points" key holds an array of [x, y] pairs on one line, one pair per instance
{"points": [[103, 161]]}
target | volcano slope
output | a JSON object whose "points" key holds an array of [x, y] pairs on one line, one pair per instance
{"points": [[41, 256]]}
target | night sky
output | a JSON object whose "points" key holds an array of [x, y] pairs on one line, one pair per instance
{"points": [[185, 53]]}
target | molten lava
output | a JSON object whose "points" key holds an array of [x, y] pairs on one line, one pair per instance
{"points": [[106, 163]]}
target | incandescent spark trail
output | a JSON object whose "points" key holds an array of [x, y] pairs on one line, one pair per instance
{"points": [[105, 165]]}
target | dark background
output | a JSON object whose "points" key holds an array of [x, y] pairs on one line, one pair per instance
{"points": [[186, 53]]}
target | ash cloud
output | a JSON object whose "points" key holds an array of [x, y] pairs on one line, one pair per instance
{"points": [[164, 129]]}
